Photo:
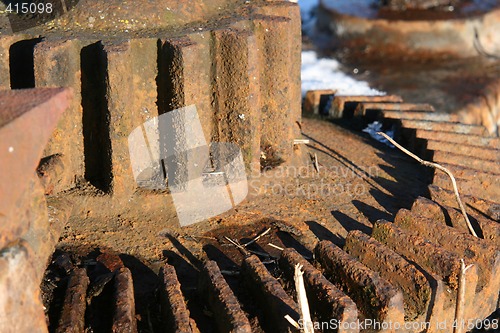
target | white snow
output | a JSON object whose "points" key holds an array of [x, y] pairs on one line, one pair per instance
{"points": [[325, 73]]}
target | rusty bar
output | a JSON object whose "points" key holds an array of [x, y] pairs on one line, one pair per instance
{"points": [[394, 268], [394, 109], [466, 161], [482, 253], [174, 309], [472, 249], [274, 36], [419, 115], [429, 256], [185, 71], [124, 316], [73, 314], [374, 296], [291, 32], [489, 228], [430, 209], [227, 311], [237, 93], [345, 106], [470, 174], [5, 44], [463, 149], [49, 72], [111, 261], [444, 127], [121, 119], [270, 295], [472, 140], [324, 298], [22, 144], [316, 101], [483, 185]]}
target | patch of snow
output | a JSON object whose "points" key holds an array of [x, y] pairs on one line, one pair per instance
{"points": [[325, 73]]}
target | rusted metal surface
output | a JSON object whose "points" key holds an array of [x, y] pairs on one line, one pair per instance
{"points": [[466, 161], [22, 143], [489, 154], [448, 198], [227, 310], [374, 296], [429, 256], [395, 269], [459, 138], [385, 34], [470, 248], [111, 261], [124, 320], [482, 253], [51, 173], [115, 16], [373, 109], [467, 150], [174, 309], [270, 295], [418, 4], [73, 313], [344, 106], [444, 127], [316, 101], [482, 184], [429, 209], [324, 297], [21, 309], [419, 115]]}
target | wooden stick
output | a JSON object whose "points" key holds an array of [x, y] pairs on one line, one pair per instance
{"points": [[257, 237], [300, 288], [292, 321], [459, 310], [439, 167], [275, 246], [238, 245]]}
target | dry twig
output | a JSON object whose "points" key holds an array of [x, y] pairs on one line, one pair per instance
{"points": [[305, 315], [276, 246], [292, 321], [256, 238], [459, 310], [439, 167], [238, 245], [301, 141]]}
